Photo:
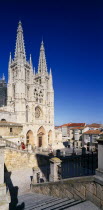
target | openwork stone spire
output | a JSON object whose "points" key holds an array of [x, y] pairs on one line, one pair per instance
{"points": [[42, 66], [20, 48]]}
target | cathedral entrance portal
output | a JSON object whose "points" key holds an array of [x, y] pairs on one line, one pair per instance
{"points": [[41, 136], [29, 138]]}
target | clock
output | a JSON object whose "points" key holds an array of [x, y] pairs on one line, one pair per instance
{"points": [[37, 112]]}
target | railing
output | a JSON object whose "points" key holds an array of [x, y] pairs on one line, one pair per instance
{"points": [[79, 165], [7, 143]]}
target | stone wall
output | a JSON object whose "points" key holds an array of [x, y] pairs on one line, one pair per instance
{"points": [[78, 188], [5, 130], [4, 199], [18, 168]]}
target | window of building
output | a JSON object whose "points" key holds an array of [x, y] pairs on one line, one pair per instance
{"points": [[11, 130]]}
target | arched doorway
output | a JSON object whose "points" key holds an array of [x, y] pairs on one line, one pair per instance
{"points": [[50, 137], [29, 137], [41, 136]]}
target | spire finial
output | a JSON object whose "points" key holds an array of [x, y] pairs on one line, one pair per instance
{"points": [[20, 47], [20, 22]]}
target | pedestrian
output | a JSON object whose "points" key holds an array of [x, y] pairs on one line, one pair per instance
{"points": [[22, 145], [19, 144]]}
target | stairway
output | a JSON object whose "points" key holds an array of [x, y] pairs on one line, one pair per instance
{"points": [[34, 201]]}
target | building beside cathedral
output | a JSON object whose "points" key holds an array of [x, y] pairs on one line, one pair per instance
{"points": [[30, 96]]}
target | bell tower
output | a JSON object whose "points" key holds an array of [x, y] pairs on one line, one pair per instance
{"points": [[19, 73]]}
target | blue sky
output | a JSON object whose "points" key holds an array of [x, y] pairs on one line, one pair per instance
{"points": [[73, 37]]}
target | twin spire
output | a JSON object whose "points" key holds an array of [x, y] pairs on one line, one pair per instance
{"points": [[42, 66], [20, 47], [21, 54]]}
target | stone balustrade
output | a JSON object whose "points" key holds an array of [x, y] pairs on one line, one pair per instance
{"points": [[84, 188], [6, 143]]}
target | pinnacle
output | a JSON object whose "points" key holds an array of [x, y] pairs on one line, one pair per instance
{"points": [[50, 71], [30, 58], [10, 59], [31, 61], [3, 77]]}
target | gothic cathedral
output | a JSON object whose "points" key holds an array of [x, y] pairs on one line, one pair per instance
{"points": [[30, 96]]}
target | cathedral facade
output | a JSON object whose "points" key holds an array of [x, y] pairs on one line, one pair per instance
{"points": [[30, 96]]}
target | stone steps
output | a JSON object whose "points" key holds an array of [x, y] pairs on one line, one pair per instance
{"points": [[34, 201], [37, 204], [47, 204], [84, 206]]}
